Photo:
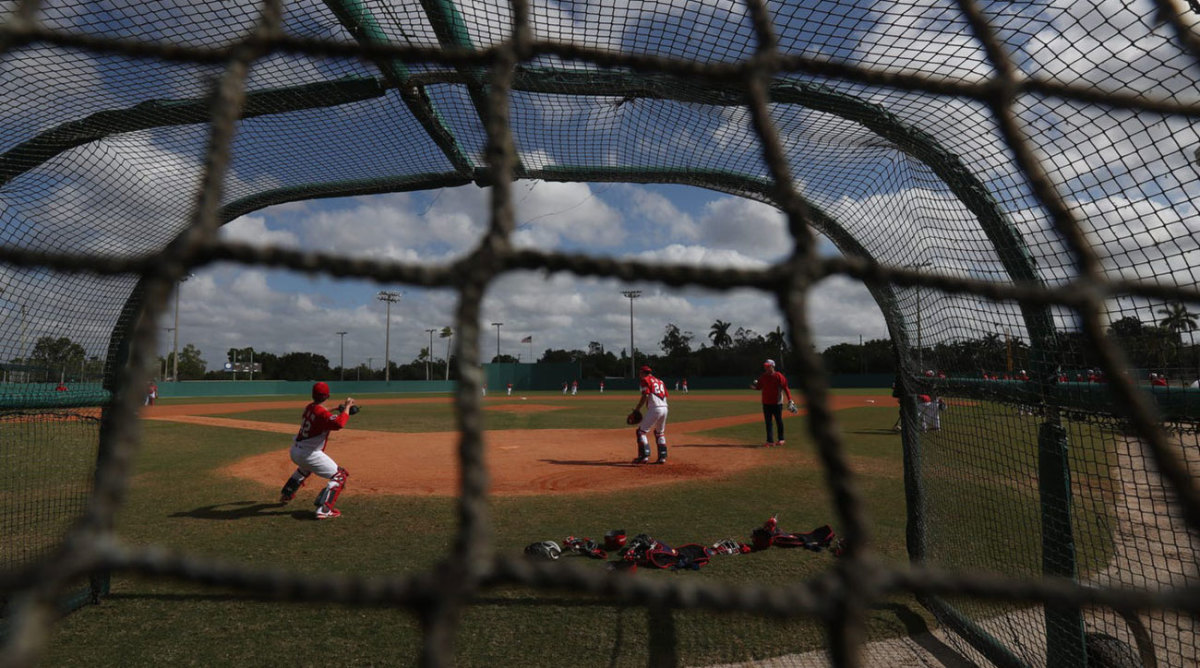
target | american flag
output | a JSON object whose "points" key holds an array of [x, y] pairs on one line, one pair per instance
{"points": [[528, 339]]}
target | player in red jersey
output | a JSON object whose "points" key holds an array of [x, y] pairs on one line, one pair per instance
{"points": [[774, 388], [654, 398], [308, 452]]}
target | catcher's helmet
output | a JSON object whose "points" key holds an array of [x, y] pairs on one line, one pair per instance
{"points": [[614, 539], [320, 391], [546, 549]]}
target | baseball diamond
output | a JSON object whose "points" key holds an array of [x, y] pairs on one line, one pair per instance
{"points": [[521, 462]]}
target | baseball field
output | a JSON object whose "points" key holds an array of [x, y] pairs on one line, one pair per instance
{"points": [[207, 482]]}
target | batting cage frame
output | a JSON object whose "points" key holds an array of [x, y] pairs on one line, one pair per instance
{"points": [[944, 166]]}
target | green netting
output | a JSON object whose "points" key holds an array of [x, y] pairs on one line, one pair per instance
{"points": [[1013, 181]]}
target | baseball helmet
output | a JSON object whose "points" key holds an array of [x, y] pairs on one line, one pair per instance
{"points": [[320, 391], [546, 549], [768, 364], [761, 538], [614, 539], [645, 369]]}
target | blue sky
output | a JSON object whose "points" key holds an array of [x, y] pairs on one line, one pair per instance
{"points": [[1130, 177], [227, 306]]}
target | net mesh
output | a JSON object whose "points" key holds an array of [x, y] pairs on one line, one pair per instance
{"points": [[1013, 181]]}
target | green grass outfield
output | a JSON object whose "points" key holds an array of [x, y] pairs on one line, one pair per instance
{"points": [[178, 500]]}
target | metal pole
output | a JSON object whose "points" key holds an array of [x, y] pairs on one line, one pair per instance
{"points": [[166, 362], [342, 354], [632, 295], [389, 298], [175, 345], [429, 355], [497, 326], [920, 344]]}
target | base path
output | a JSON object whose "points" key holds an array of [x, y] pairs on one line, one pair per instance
{"points": [[520, 462]]}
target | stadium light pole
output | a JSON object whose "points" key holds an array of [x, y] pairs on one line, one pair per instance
{"points": [[165, 367], [21, 350], [389, 298], [429, 355], [632, 295], [342, 353], [920, 345], [497, 326], [175, 345]]}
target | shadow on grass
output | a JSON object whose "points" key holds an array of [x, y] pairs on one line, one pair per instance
{"points": [[221, 511], [875, 432]]}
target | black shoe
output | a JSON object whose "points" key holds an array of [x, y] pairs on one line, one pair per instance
{"points": [[660, 460], [641, 460]]}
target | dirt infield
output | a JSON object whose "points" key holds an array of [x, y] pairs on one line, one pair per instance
{"points": [[521, 462]]}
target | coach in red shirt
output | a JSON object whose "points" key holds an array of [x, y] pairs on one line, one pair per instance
{"points": [[774, 388]]}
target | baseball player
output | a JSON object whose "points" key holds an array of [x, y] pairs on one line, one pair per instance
{"points": [[574, 387], [308, 452], [601, 387], [509, 387], [929, 408], [774, 387], [564, 388], [654, 399], [685, 385]]}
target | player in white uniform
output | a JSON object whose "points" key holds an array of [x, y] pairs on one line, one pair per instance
{"points": [[308, 452], [654, 399]]}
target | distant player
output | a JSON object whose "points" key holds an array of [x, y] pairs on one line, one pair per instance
{"points": [[509, 387], [308, 452], [774, 387], [484, 389], [574, 387], [654, 399], [602, 387], [685, 385], [565, 385]]}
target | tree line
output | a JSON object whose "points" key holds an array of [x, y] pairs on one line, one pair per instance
{"points": [[723, 351]]}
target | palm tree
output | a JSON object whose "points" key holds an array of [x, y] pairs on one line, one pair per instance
{"points": [[776, 340], [719, 334], [1178, 319], [447, 334]]}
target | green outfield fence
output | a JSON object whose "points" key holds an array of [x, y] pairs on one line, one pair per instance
{"points": [[1015, 184], [524, 377]]}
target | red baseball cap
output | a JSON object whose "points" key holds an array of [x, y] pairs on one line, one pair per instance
{"points": [[645, 369], [320, 391]]}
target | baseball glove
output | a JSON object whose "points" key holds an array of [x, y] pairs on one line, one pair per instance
{"points": [[354, 409], [634, 417], [792, 408]]}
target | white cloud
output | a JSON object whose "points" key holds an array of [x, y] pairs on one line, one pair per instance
{"points": [[253, 230], [699, 255]]}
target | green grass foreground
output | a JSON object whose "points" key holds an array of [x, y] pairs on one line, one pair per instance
{"points": [[178, 499]]}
